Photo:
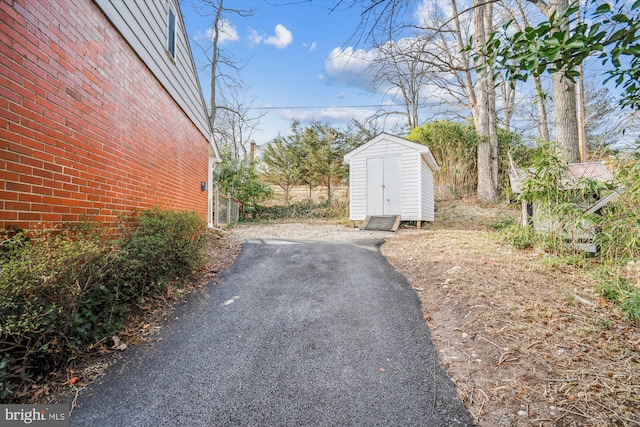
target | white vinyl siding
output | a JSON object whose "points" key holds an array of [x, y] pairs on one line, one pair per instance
{"points": [[143, 24], [427, 191], [358, 177], [416, 176], [411, 186], [358, 184]]}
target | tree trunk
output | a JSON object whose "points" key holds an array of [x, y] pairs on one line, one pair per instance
{"points": [[543, 127], [508, 95], [564, 95], [564, 102], [486, 190], [566, 120], [286, 194], [582, 137], [214, 65], [491, 99], [468, 81]]}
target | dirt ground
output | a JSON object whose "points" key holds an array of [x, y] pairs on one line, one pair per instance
{"points": [[522, 334]]}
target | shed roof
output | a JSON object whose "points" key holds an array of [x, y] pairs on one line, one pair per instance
{"points": [[576, 171], [423, 150]]}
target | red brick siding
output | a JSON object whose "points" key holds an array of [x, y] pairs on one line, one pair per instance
{"points": [[85, 128]]}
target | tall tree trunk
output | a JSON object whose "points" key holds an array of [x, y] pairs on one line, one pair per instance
{"points": [[564, 95], [468, 81], [491, 99], [543, 126], [486, 190], [214, 64], [566, 120], [582, 137], [508, 95]]}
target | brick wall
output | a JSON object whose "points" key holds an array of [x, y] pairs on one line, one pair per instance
{"points": [[85, 128]]}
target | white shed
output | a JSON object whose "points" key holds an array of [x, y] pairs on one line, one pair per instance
{"points": [[390, 175]]}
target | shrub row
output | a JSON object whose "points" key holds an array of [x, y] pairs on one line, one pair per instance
{"points": [[63, 290], [302, 210]]}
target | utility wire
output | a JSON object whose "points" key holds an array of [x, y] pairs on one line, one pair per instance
{"points": [[299, 107]]}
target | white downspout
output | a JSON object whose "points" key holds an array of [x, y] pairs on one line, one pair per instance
{"points": [[213, 159]]}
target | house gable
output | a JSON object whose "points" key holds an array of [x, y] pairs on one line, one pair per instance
{"points": [[144, 25]]}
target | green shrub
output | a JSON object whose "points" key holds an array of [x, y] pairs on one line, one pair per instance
{"points": [[64, 290], [157, 246], [454, 145], [301, 210], [502, 222], [47, 284], [520, 237], [618, 289], [610, 286], [631, 306], [619, 234]]}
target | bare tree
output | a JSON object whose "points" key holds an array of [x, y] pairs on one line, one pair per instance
{"points": [[487, 186], [227, 88], [479, 94], [470, 87], [402, 70], [236, 120]]}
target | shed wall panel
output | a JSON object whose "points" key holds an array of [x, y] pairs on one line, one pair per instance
{"points": [[358, 189], [411, 186], [427, 191]]}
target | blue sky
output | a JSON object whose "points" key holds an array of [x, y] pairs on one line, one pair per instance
{"points": [[295, 62], [302, 63]]}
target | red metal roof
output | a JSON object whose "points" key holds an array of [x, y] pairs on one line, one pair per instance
{"points": [[590, 170]]}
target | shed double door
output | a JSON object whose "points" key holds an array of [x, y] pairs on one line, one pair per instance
{"points": [[384, 185]]}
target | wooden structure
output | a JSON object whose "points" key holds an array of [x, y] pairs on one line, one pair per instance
{"points": [[391, 176], [533, 215]]}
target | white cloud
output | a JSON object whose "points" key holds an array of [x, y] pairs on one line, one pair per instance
{"points": [[357, 68], [329, 114], [253, 37], [281, 39], [427, 10], [349, 67], [310, 47], [227, 32]]}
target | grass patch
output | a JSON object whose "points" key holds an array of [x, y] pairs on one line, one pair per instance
{"points": [[520, 237]]}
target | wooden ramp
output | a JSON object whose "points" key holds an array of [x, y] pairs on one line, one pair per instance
{"points": [[381, 223]]}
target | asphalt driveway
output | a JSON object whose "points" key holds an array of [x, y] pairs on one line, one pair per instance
{"points": [[296, 334]]}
